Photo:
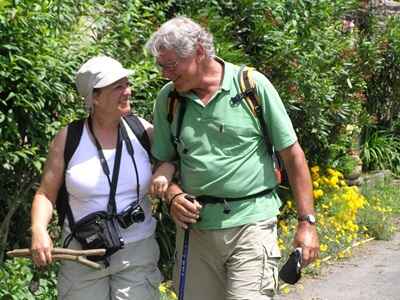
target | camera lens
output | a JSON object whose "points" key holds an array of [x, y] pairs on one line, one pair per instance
{"points": [[138, 215], [132, 214]]}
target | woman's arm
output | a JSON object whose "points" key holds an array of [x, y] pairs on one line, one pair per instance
{"points": [[44, 200], [149, 129]]}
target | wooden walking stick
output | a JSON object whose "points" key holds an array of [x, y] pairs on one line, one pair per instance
{"points": [[65, 254]]}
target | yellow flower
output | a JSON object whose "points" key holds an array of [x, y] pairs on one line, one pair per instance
{"points": [[323, 247], [318, 193], [315, 169], [333, 181], [317, 263], [289, 204]]}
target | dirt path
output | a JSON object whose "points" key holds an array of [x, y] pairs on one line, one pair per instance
{"points": [[372, 273]]}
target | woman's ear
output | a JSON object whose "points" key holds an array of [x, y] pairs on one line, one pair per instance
{"points": [[95, 95]]}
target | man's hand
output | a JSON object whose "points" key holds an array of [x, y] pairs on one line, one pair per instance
{"points": [[306, 238], [184, 211]]}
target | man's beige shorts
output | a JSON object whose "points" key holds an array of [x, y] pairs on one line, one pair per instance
{"points": [[133, 274], [237, 263]]}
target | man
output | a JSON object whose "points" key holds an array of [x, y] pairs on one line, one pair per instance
{"points": [[233, 252]]}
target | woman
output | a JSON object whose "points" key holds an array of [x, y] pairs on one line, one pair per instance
{"points": [[132, 271]]}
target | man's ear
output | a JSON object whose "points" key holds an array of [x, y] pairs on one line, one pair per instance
{"points": [[200, 51]]}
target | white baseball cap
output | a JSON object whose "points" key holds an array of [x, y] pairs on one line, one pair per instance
{"points": [[98, 72]]}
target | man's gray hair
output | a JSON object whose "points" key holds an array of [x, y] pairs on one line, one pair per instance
{"points": [[182, 35]]}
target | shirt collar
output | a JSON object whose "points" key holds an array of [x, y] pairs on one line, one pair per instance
{"points": [[228, 74]]}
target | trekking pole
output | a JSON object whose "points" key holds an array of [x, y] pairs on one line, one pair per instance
{"points": [[185, 253]]}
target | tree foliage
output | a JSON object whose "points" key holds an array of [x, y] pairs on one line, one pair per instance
{"points": [[330, 77]]}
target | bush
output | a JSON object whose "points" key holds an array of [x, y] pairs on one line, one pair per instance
{"points": [[37, 90], [381, 150], [37, 97], [17, 278]]}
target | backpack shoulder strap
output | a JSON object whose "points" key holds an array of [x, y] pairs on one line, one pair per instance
{"points": [[173, 98], [140, 132], [249, 92], [248, 89], [74, 133], [176, 107]]}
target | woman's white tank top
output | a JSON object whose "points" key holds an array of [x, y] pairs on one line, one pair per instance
{"points": [[89, 189]]}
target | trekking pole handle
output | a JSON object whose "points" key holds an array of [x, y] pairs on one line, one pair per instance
{"points": [[190, 198]]}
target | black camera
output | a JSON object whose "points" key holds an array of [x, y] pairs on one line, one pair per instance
{"points": [[132, 214]]}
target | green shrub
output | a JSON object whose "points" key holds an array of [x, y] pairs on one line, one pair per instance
{"points": [[37, 96], [383, 206], [43, 44], [381, 150], [16, 279]]}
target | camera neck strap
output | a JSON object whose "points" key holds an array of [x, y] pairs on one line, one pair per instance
{"points": [[131, 152], [111, 207]]}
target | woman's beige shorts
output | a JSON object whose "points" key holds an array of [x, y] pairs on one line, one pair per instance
{"points": [[133, 274]]}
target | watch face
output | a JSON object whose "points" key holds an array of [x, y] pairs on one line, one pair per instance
{"points": [[311, 219]]}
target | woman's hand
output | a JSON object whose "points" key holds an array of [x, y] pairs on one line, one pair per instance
{"points": [[161, 179], [41, 247], [158, 186]]}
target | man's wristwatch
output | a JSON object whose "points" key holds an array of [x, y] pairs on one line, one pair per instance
{"points": [[309, 218]]}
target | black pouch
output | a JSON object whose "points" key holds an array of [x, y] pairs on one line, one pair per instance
{"points": [[98, 230], [291, 270]]}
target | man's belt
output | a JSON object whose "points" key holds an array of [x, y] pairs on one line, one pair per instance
{"points": [[204, 199]]}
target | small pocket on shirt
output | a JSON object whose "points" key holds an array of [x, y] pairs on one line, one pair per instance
{"points": [[231, 139]]}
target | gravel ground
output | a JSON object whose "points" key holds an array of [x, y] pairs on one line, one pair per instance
{"points": [[372, 273]]}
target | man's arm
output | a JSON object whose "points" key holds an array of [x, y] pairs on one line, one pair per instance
{"points": [[300, 181]]}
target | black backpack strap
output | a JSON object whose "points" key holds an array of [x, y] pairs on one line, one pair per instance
{"points": [[74, 133], [140, 132], [179, 120], [173, 98], [176, 106]]}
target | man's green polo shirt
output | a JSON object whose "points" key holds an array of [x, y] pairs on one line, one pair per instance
{"points": [[222, 151]]}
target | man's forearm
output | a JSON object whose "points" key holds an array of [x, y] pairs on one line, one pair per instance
{"points": [[300, 180]]}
